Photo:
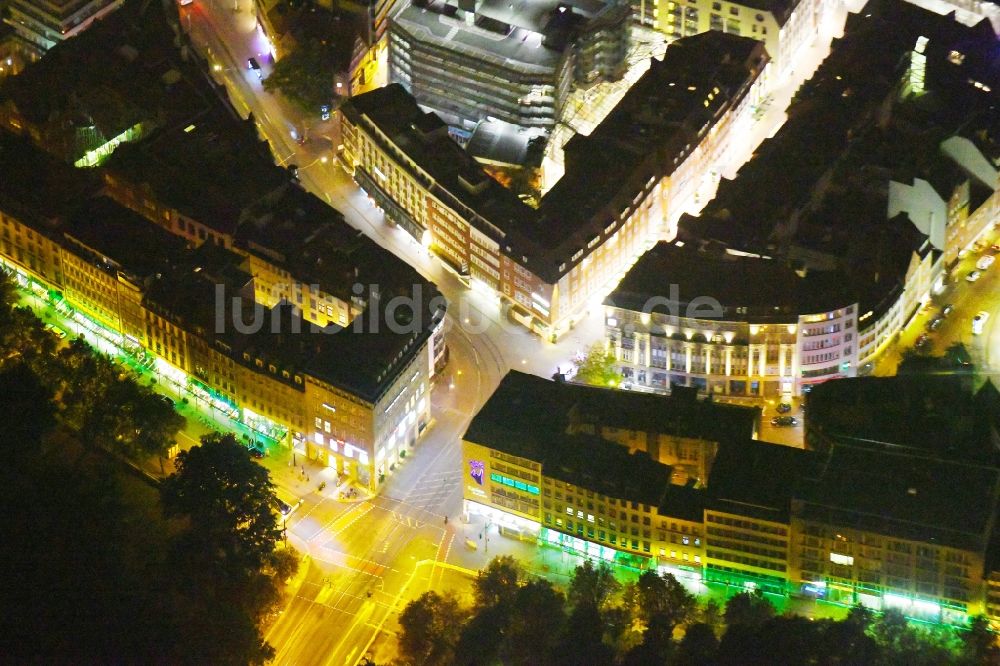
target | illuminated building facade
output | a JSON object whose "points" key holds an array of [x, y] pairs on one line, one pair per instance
{"points": [[881, 234], [355, 397], [787, 28], [852, 524], [625, 185], [737, 325]]}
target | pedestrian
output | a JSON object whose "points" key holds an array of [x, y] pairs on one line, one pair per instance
{"points": [[446, 520]]}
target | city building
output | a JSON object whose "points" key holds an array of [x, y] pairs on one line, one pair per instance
{"points": [[195, 215], [43, 25], [786, 27], [853, 523], [112, 84], [626, 183], [751, 326], [592, 468], [864, 222], [469, 60]]}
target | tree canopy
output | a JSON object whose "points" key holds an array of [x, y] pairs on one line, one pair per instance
{"points": [[597, 367], [305, 76], [516, 618]]}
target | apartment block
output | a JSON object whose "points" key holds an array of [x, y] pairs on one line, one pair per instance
{"points": [[625, 186], [858, 521]]}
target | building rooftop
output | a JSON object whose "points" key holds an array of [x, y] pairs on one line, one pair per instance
{"points": [[121, 239], [519, 49], [527, 35], [363, 358], [950, 503], [751, 289], [660, 116], [756, 478], [209, 169], [810, 177], [34, 185], [548, 422], [930, 416], [529, 404], [122, 71], [300, 233]]}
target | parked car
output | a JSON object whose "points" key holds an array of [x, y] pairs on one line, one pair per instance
{"points": [[783, 408], [922, 340], [255, 452], [973, 276], [985, 262], [784, 421], [255, 66], [935, 323], [979, 321], [947, 310]]}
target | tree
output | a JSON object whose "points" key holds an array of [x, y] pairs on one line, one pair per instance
{"points": [[497, 583], [536, 621], [698, 647], [8, 293], [228, 500], [748, 608], [304, 76], [712, 615], [156, 423], [597, 367], [582, 642], [979, 643], [430, 629], [592, 586], [661, 597]]}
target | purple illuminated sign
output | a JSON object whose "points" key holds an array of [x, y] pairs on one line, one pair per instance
{"points": [[477, 470]]}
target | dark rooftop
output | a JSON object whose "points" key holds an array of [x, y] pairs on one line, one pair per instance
{"points": [[662, 113], [36, 186], [768, 289], [931, 416], [209, 170], [123, 239], [783, 197], [363, 358], [122, 71], [311, 240], [534, 418], [946, 502], [756, 478]]}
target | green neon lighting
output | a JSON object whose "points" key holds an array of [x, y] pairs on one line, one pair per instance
{"points": [[513, 483]]}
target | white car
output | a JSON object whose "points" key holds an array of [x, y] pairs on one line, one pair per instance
{"points": [[973, 276], [979, 321], [985, 262]]}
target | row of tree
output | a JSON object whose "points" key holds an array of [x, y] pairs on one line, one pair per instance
{"points": [[520, 620], [98, 564], [100, 403]]}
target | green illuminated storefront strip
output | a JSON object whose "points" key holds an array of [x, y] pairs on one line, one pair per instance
{"points": [[513, 483], [572, 544], [107, 340]]}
